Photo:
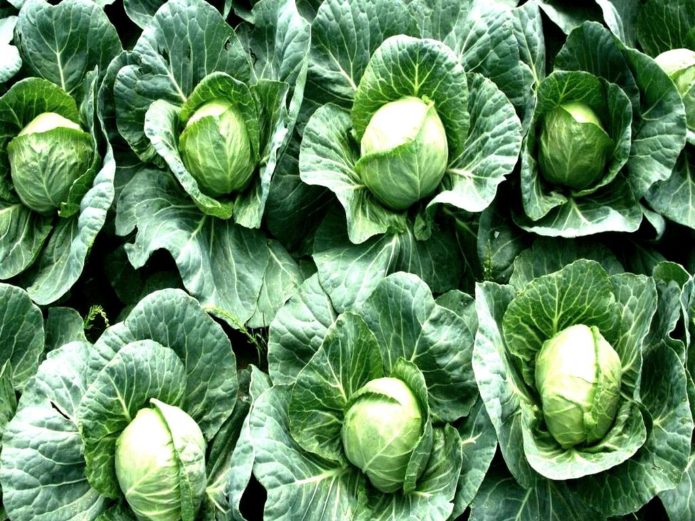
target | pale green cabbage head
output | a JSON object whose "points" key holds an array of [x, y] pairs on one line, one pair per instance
{"points": [[216, 150], [574, 147], [578, 378], [46, 158], [149, 461], [382, 426], [404, 152]]}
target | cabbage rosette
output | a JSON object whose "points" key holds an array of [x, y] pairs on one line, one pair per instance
{"points": [[374, 414], [122, 427], [587, 397], [56, 169]]}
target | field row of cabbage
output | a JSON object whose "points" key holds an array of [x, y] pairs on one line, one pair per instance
{"points": [[336, 260]]}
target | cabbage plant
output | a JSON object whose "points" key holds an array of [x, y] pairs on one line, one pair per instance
{"points": [[122, 427], [667, 33], [368, 414], [208, 135], [576, 368], [608, 125], [220, 125], [414, 115], [56, 170], [407, 134]]}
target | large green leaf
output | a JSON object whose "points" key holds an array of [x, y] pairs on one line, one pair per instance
{"points": [[487, 42], [298, 484], [61, 43], [21, 335], [488, 154], [675, 197], [141, 11], [11, 61], [23, 234], [663, 26], [294, 208], [501, 386], [224, 265], [63, 325], [243, 457], [280, 43], [502, 499], [337, 64], [567, 16], [349, 273], [298, 331], [680, 501], [42, 468], [546, 256], [478, 446], [611, 209]]}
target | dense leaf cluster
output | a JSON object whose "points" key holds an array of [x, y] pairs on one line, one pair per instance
{"points": [[347, 260]]}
